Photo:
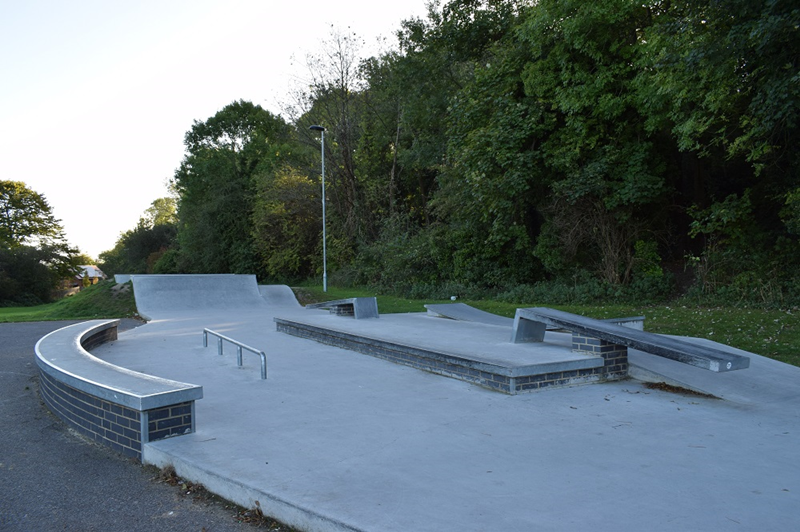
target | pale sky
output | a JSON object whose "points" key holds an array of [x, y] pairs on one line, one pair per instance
{"points": [[96, 95]]}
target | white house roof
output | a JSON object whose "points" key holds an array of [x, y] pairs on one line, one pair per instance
{"points": [[91, 271]]}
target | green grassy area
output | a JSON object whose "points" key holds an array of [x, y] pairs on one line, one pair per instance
{"points": [[103, 300], [771, 333]]}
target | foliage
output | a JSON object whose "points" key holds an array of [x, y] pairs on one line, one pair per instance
{"points": [[34, 254], [216, 187], [790, 213], [286, 225], [163, 211], [558, 147], [26, 217], [403, 257], [139, 249], [25, 277]]}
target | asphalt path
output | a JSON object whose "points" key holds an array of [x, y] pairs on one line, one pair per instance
{"points": [[52, 479]]}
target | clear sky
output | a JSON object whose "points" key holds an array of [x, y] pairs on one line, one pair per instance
{"points": [[96, 95]]}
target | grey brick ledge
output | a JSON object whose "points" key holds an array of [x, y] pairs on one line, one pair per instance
{"points": [[114, 406], [509, 379]]}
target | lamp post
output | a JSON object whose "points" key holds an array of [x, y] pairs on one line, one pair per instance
{"points": [[324, 240]]}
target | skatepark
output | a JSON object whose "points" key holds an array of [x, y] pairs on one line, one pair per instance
{"points": [[335, 439]]}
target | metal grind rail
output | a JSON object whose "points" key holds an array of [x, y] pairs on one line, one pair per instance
{"points": [[239, 347]]}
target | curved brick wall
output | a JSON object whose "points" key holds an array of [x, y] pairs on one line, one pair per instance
{"points": [[100, 400]]}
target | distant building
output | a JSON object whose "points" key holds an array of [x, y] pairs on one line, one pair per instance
{"points": [[91, 272], [73, 285]]}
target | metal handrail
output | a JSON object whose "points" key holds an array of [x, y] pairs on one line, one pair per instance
{"points": [[239, 347]]}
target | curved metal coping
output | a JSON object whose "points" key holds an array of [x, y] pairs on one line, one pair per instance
{"points": [[61, 355]]}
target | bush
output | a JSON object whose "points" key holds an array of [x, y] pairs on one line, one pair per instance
{"points": [[25, 277], [403, 257], [583, 289]]}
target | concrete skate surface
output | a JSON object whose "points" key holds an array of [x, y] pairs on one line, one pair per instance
{"points": [[336, 440]]}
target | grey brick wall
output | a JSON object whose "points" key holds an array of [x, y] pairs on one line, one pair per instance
{"points": [[113, 425], [615, 357], [169, 421], [106, 423]]}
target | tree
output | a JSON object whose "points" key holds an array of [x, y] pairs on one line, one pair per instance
{"points": [[286, 225], [491, 188], [163, 211], [25, 216], [335, 100], [413, 101], [722, 80], [34, 253], [216, 187], [138, 250]]}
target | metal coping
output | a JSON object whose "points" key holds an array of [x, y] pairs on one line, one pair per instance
{"points": [[60, 354]]}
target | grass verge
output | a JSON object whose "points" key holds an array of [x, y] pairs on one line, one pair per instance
{"points": [[106, 299]]}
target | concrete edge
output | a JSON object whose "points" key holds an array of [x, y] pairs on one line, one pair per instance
{"points": [[246, 496], [174, 392]]}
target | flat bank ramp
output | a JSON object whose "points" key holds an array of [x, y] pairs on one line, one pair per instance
{"points": [[464, 312], [159, 296]]}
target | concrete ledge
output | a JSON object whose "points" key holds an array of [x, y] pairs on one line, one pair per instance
{"points": [[530, 323], [115, 406], [502, 377], [358, 307]]}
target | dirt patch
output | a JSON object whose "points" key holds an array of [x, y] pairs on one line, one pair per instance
{"points": [[303, 297], [664, 387], [119, 290]]}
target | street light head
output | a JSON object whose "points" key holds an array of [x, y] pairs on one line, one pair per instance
{"points": [[317, 128]]}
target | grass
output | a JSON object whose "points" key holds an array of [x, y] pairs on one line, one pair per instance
{"points": [[103, 300], [771, 333]]}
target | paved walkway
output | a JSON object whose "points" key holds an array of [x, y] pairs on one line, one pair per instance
{"points": [[336, 440]]}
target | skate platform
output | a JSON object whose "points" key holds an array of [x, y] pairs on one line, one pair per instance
{"points": [[473, 352], [337, 441]]}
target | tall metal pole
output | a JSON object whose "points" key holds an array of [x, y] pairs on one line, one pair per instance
{"points": [[324, 239], [324, 236]]}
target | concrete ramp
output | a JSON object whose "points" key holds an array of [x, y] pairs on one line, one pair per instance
{"points": [[464, 312], [278, 295], [160, 296]]}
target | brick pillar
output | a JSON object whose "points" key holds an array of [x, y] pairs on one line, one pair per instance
{"points": [[615, 356]]}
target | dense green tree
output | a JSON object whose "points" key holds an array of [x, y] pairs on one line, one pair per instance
{"points": [[287, 224], [26, 277], [216, 187], [410, 103], [34, 254], [163, 211], [137, 250], [493, 183], [509, 141], [25, 216], [606, 174], [721, 78]]}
